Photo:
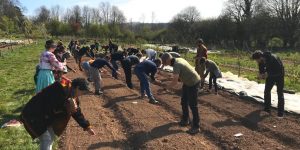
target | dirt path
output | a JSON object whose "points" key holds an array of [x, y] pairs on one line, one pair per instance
{"points": [[123, 121]]}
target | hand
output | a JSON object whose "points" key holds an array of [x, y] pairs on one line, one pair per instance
{"points": [[91, 131], [118, 72]]}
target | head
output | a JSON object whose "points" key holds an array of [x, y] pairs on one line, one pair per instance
{"points": [[139, 55], [200, 41], [80, 87], [157, 62], [258, 56], [59, 43], [50, 45], [166, 59], [107, 58], [143, 51], [60, 50], [203, 60]]}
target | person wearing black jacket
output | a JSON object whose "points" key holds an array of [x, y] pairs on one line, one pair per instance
{"points": [[127, 64], [48, 112], [271, 69]]}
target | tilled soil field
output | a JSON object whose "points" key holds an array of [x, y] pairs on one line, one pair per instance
{"points": [[122, 120]]}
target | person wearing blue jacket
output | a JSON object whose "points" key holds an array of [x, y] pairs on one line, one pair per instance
{"points": [[144, 70]]}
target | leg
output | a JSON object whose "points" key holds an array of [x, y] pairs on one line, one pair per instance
{"points": [[193, 103], [215, 83], [268, 87], [280, 86], [210, 81], [127, 71], [46, 139], [184, 104], [139, 76], [96, 79], [147, 86]]}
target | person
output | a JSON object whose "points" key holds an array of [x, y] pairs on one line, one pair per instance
{"points": [[272, 70], [95, 74], [144, 69], [127, 64], [83, 51], [201, 52], [86, 67], [150, 54], [173, 54], [114, 57], [62, 56], [74, 49], [47, 114], [214, 72], [184, 72], [48, 63], [133, 51], [112, 47]]}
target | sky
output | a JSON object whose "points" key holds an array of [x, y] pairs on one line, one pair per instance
{"points": [[137, 10]]}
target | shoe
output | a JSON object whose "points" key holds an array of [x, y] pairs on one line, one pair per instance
{"points": [[143, 96], [183, 123], [153, 101], [99, 93], [280, 116], [193, 131]]}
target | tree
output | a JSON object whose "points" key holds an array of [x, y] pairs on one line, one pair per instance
{"points": [[288, 13], [43, 15]]}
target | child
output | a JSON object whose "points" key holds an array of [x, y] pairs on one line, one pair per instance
{"points": [[214, 73], [144, 69]]}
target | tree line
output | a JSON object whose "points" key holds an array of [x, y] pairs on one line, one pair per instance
{"points": [[243, 24]]}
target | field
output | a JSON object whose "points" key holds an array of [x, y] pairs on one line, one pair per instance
{"points": [[123, 121], [16, 88]]}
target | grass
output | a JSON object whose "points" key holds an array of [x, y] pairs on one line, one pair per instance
{"points": [[290, 59], [16, 88]]}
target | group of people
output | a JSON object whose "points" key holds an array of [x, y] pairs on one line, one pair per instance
{"points": [[56, 99]]}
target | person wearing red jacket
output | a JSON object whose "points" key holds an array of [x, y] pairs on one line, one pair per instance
{"points": [[200, 68]]}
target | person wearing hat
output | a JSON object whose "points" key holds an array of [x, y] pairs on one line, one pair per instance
{"points": [[201, 52], [47, 114], [127, 64], [214, 72], [143, 70], [47, 64], [184, 72], [272, 70]]}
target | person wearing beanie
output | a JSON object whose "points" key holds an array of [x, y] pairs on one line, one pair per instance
{"points": [[184, 72]]}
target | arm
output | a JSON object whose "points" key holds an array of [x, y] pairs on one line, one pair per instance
{"points": [[174, 81], [79, 118], [71, 69], [55, 63]]}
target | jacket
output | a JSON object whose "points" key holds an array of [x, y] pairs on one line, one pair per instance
{"points": [[49, 108]]}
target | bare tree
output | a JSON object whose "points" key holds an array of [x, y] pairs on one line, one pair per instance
{"points": [[105, 9], [288, 13], [117, 16], [189, 14], [55, 12], [43, 15]]}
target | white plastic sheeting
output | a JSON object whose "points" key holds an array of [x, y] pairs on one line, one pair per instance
{"points": [[253, 90], [256, 91]]}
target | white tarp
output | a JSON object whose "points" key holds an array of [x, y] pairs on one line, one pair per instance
{"points": [[235, 84]]}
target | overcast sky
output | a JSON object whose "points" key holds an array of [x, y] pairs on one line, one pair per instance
{"points": [[137, 10]]}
